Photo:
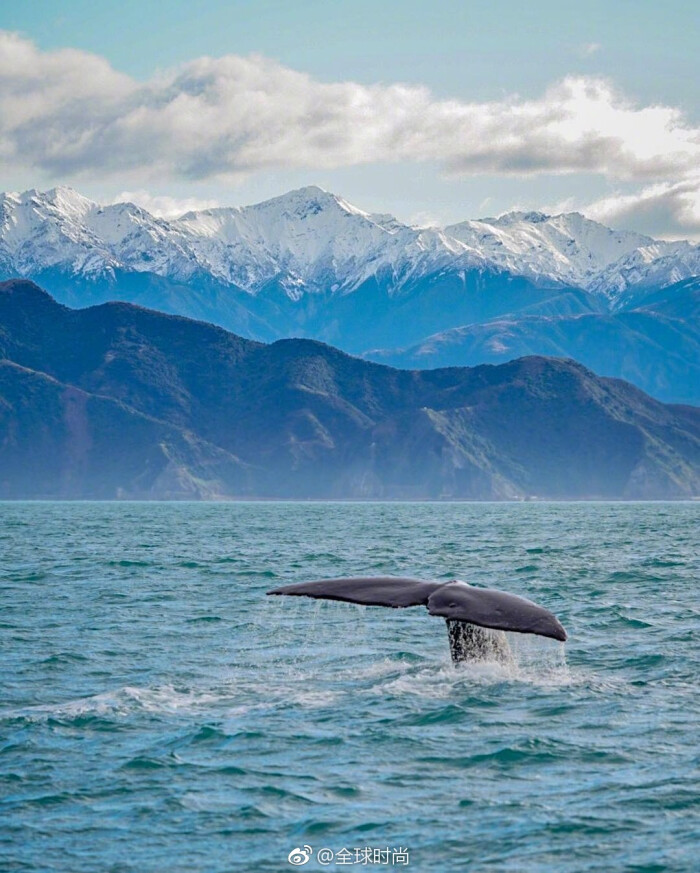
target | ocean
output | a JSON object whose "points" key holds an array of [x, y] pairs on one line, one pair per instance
{"points": [[159, 713]]}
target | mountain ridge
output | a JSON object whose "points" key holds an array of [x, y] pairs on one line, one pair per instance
{"points": [[119, 401], [655, 345], [308, 263], [309, 231]]}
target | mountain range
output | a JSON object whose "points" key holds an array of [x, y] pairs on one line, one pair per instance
{"points": [[116, 401], [310, 264]]}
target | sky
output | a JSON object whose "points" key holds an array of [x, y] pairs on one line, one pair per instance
{"points": [[434, 112]]}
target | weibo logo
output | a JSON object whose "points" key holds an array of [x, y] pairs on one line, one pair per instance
{"points": [[300, 856]]}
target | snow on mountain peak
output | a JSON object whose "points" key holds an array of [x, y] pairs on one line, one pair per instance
{"points": [[316, 238], [310, 239], [68, 201], [509, 218], [568, 248]]}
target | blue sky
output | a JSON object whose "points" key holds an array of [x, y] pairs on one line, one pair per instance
{"points": [[471, 69]]}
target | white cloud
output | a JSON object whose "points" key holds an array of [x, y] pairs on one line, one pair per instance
{"points": [[162, 205], [424, 219], [668, 209], [589, 48], [68, 114]]}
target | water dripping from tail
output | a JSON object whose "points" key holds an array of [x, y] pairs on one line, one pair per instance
{"points": [[471, 643]]}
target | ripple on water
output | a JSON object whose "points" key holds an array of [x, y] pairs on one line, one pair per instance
{"points": [[158, 712]]}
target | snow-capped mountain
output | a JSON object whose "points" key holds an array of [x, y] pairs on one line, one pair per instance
{"points": [[61, 229], [310, 264], [568, 248], [310, 240], [313, 240]]}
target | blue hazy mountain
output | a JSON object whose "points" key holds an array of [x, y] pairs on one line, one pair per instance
{"points": [[119, 401], [310, 264], [656, 344]]}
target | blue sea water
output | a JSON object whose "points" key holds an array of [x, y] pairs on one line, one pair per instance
{"points": [[159, 713]]}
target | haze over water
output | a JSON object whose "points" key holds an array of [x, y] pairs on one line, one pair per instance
{"points": [[158, 712]]}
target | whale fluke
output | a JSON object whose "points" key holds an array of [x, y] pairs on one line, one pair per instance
{"points": [[395, 591], [488, 607], [462, 605]]}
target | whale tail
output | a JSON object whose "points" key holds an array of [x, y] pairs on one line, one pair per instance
{"points": [[476, 617]]}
